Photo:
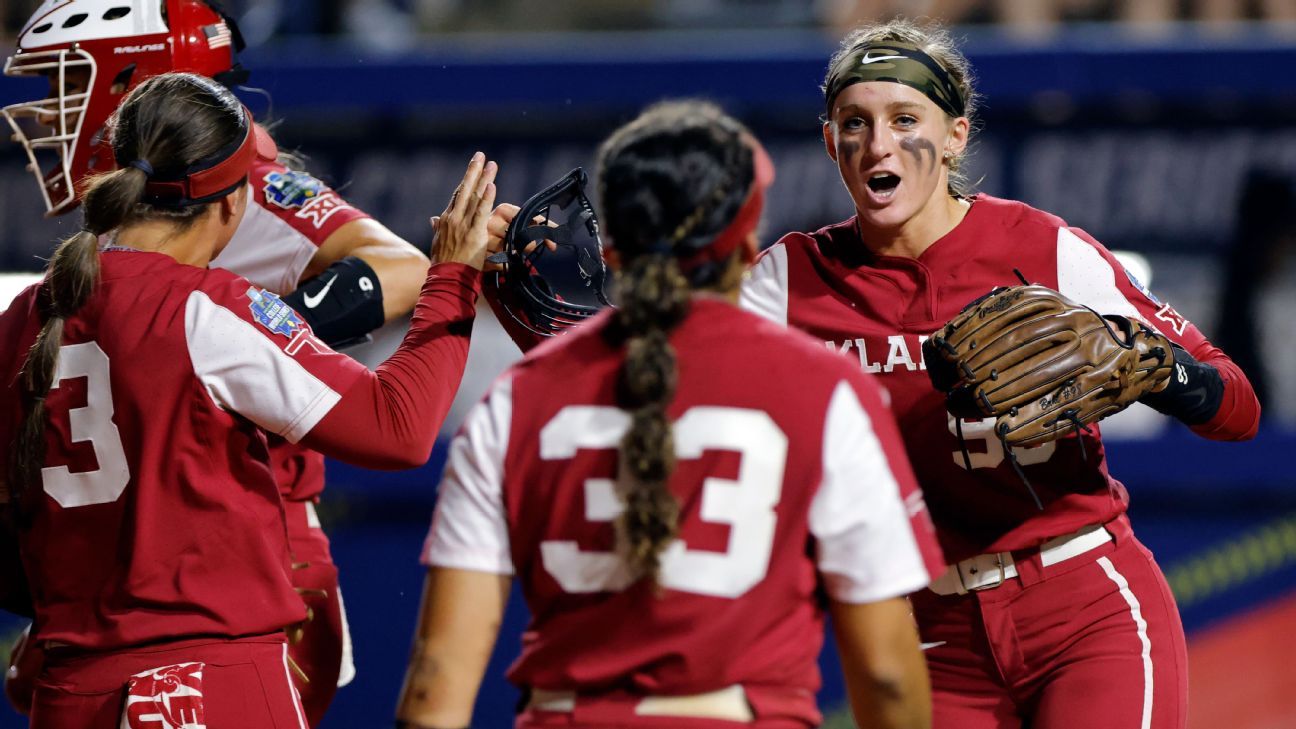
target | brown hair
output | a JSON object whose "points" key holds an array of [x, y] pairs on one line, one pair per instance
{"points": [[935, 41], [669, 182], [171, 121]]}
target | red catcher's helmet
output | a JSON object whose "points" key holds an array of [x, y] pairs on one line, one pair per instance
{"points": [[110, 46]]}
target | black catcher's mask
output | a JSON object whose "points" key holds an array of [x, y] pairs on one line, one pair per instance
{"points": [[554, 272]]}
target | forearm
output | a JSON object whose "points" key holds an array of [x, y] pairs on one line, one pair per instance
{"points": [[886, 674], [390, 418]]}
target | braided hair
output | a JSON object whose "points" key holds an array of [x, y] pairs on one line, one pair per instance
{"points": [[669, 182], [171, 121]]}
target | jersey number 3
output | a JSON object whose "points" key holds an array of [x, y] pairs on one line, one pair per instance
{"points": [[92, 423], [746, 503]]}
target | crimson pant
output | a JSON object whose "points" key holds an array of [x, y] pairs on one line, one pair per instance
{"points": [[1093, 641], [245, 684], [324, 650]]}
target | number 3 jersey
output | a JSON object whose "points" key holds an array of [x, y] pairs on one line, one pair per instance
{"points": [[877, 310], [156, 514], [789, 474]]}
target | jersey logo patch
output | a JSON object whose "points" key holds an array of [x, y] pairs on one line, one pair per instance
{"points": [[1139, 285], [320, 208], [271, 312], [1168, 315], [290, 189]]}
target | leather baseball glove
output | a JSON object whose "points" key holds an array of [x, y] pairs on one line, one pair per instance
{"points": [[1041, 364]]}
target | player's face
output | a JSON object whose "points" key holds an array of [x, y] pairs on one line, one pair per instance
{"points": [[75, 80], [889, 142]]}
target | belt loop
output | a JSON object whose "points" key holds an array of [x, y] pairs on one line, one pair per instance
{"points": [[1030, 569]]}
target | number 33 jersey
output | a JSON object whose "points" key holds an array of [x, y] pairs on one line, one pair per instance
{"points": [[156, 515], [789, 474], [877, 310]]}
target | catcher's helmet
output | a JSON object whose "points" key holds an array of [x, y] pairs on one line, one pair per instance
{"points": [[94, 52], [554, 275]]}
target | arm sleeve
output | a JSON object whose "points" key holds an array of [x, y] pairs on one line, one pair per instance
{"points": [[390, 418], [469, 529], [1089, 274], [874, 537], [255, 356]]}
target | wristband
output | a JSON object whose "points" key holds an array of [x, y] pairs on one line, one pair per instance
{"points": [[1194, 392]]}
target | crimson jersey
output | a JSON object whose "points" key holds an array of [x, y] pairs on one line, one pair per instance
{"points": [[289, 216], [877, 310], [790, 475], [163, 518]]}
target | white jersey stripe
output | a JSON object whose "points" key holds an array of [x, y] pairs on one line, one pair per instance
{"points": [[765, 286], [266, 250], [1136, 611], [864, 539], [246, 373], [469, 528], [1087, 278]]}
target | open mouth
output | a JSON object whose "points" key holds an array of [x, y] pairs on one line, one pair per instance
{"points": [[883, 183]]}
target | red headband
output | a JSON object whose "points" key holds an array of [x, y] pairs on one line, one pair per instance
{"points": [[221, 175], [748, 217]]}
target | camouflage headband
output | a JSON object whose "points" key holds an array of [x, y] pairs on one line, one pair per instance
{"points": [[897, 62]]}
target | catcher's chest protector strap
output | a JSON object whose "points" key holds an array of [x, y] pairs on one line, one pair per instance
{"points": [[1194, 393]]}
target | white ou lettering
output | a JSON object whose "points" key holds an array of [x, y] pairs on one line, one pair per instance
{"points": [[993, 454], [898, 354], [90, 423], [745, 503], [365, 284]]}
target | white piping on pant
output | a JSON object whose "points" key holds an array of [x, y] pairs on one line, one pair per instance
{"points": [[292, 688], [1137, 612]]}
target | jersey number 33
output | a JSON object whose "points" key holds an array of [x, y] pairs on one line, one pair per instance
{"points": [[746, 503]]}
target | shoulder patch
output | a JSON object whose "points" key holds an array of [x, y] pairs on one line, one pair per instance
{"points": [[1139, 285], [271, 312], [291, 189]]}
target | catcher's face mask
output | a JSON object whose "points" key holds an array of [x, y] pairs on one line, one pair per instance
{"points": [[553, 259]]}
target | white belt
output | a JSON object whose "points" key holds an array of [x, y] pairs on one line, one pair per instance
{"points": [[986, 571], [729, 704]]}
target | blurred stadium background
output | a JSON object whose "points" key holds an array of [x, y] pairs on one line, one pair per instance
{"points": [[1165, 128]]}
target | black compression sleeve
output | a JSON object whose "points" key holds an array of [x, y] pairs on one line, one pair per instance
{"points": [[342, 304], [1194, 393]]}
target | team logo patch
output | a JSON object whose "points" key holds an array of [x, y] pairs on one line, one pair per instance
{"points": [[1176, 321], [168, 697], [290, 189], [1139, 285], [319, 209], [271, 312]]}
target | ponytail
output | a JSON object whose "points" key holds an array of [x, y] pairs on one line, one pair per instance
{"points": [[70, 280], [654, 300]]}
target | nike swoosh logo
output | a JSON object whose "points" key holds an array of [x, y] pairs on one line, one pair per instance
{"points": [[314, 301], [929, 646], [867, 59]]}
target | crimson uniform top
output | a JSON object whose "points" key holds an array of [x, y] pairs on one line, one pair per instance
{"points": [[294, 213], [877, 310], [790, 474], [159, 516]]}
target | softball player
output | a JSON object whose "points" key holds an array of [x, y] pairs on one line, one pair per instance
{"points": [[670, 512], [344, 272], [1052, 616], [136, 401]]}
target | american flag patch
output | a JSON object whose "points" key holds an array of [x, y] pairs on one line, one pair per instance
{"points": [[218, 35]]}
